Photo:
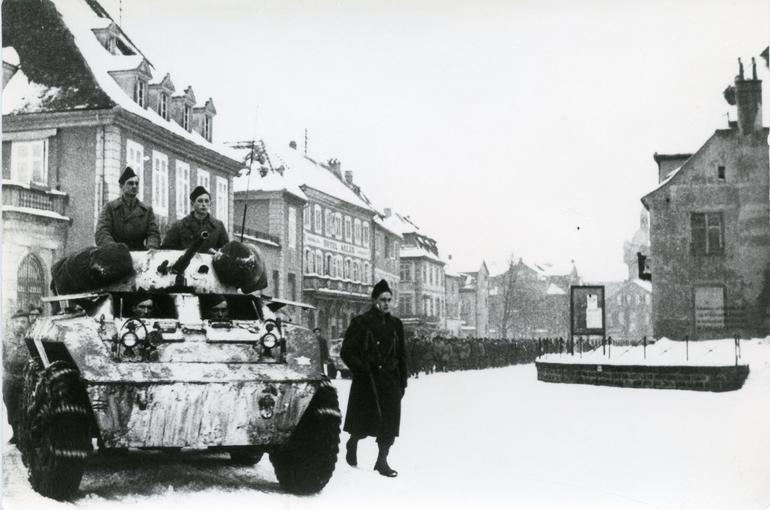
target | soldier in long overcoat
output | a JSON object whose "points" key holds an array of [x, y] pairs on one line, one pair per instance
{"points": [[373, 349], [126, 219], [186, 230]]}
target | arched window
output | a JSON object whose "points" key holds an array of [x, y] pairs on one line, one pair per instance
{"points": [[319, 262], [31, 282], [356, 271], [338, 260], [328, 224], [366, 277], [347, 269], [318, 219], [308, 261], [328, 266]]}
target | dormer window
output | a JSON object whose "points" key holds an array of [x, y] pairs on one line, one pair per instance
{"points": [[207, 128], [140, 92], [186, 115], [163, 105]]}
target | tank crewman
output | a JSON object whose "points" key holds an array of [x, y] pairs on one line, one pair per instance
{"points": [[126, 219], [218, 309], [374, 350], [183, 232], [35, 312], [14, 357], [142, 308]]}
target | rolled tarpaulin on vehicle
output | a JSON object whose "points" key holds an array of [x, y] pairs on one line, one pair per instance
{"points": [[91, 268], [240, 265]]}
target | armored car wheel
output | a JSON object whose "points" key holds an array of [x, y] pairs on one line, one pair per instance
{"points": [[305, 464], [245, 456], [57, 432]]}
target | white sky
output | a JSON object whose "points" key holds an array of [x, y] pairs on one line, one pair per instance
{"points": [[523, 127]]}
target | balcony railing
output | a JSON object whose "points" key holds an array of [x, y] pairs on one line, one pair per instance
{"points": [[21, 195]]}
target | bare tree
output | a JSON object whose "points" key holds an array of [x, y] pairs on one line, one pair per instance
{"points": [[509, 285]]}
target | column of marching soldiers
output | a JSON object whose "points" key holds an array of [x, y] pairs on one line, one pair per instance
{"points": [[441, 354]]}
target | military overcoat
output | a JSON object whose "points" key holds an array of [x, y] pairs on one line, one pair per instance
{"points": [[374, 351], [183, 232], [119, 223]]}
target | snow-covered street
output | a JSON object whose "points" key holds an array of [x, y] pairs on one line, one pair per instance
{"points": [[494, 438]]}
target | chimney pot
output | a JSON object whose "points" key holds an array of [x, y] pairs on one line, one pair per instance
{"points": [[748, 103], [349, 176], [387, 212], [293, 145]]}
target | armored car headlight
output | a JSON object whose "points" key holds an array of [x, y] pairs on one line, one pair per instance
{"points": [[269, 341], [129, 339]]}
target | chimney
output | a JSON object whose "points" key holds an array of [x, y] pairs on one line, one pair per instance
{"points": [[335, 167], [748, 100], [387, 212], [293, 145], [349, 176]]}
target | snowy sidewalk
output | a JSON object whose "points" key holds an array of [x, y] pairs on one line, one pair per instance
{"points": [[495, 438]]}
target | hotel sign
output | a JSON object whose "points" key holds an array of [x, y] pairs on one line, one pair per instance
{"points": [[351, 250]]}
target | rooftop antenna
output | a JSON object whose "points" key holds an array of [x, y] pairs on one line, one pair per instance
{"points": [[305, 142], [120, 15]]}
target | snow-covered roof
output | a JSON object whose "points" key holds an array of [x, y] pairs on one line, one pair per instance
{"points": [[304, 171], [417, 251], [450, 269], [10, 56], [272, 181], [390, 223], [644, 284], [555, 290], [100, 90], [668, 178]]}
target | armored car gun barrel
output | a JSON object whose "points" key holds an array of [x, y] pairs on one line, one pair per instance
{"points": [[241, 381]]}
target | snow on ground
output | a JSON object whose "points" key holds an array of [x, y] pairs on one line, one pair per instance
{"points": [[495, 438], [666, 352]]}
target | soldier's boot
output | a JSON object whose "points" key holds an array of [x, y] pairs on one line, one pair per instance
{"points": [[351, 454], [381, 466]]}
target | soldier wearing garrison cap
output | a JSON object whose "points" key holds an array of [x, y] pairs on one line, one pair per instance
{"points": [[183, 232], [126, 219], [374, 351]]}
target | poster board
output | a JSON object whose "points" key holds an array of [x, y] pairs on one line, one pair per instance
{"points": [[587, 311]]}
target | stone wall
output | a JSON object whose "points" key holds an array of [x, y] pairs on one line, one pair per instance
{"points": [[705, 378]]}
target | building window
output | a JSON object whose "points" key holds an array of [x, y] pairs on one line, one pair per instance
{"points": [[29, 161], [396, 250], [222, 195], [366, 233], [30, 282], [163, 105], [387, 248], [135, 159], [140, 92], [347, 269], [292, 281], [308, 262], [182, 172], [378, 243], [186, 114], [367, 276], [356, 271], [338, 225], [707, 233], [405, 305], [203, 179], [405, 272], [721, 172], [207, 127], [317, 214], [348, 229], [160, 183], [292, 228], [276, 284], [338, 265], [319, 262], [357, 231], [306, 217], [328, 223], [328, 265]]}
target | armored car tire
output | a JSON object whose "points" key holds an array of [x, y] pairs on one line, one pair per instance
{"points": [[57, 437], [306, 462], [246, 456]]}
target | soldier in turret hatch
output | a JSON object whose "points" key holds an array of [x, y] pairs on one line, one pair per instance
{"points": [[186, 230]]}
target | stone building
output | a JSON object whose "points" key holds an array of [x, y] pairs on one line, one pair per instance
{"points": [[452, 281], [709, 230], [474, 302], [388, 242], [83, 104], [628, 309]]}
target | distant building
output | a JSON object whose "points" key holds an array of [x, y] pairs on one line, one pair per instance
{"points": [[452, 282], [628, 309], [474, 302], [537, 300], [639, 243], [388, 242], [710, 230], [80, 103]]}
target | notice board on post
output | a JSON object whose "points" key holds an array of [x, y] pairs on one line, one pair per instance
{"points": [[587, 316]]}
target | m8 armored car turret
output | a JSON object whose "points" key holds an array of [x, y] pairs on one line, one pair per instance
{"points": [[102, 376]]}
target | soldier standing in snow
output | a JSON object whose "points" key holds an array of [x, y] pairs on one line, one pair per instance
{"points": [[374, 350], [14, 357], [126, 219]]}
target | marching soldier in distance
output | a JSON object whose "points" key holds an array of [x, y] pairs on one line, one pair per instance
{"points": [[186, 230], [126, 219], [374, 350]]}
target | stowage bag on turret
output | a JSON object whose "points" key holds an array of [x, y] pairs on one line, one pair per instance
{"points": [[91, 269], [240, 265]]}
